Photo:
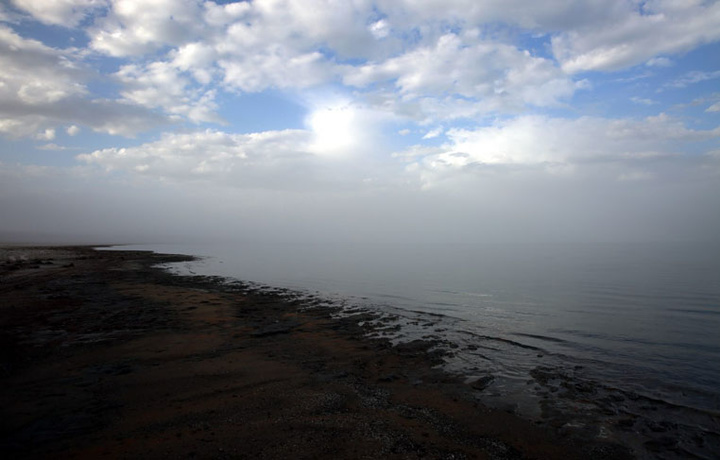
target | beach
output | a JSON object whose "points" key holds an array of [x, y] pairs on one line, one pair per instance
{"points": [[106, 355]]}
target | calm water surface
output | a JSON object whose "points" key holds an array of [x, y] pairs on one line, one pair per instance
{"points": [[638, 322]]}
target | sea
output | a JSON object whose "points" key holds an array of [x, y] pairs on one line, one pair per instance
{"points": [[617, 341]]}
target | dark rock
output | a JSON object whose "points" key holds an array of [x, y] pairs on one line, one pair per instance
{"points": [[482, 383]]}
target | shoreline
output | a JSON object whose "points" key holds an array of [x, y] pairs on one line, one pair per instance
{"points": [[106, 354]]}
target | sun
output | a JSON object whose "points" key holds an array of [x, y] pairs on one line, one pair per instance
{"points": [[332, 128]]}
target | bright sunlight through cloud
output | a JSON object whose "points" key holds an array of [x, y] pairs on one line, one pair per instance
{"points": [[333, 129]]}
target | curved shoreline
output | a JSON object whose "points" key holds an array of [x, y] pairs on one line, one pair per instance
{"points": [[104, 353], [564, 390]]}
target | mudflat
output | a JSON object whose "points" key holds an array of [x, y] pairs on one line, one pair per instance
{"points": [[102, 354]]}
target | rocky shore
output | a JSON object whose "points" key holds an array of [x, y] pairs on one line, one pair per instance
{"points": [[102, 354]]}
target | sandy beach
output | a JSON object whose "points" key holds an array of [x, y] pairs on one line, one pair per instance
{"points": [[104, 355]]}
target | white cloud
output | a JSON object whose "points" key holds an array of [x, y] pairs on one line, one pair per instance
{"points": [[432, 61], [220, 15], [35, 74], [586, 34], [52, 146], [47, 135], [637, 35], [197, 58], [659, 62], [279, 68], [308, 24], [99, 115], [690, 78], [287, 159], [293, 159], [714, 108], [136, 27], [66, 13], [643, 101], [297, 44], [500, 76], [32, 77], [43, 87], [380, 29], [251, 45], [161, 85], [249, 159], [276, 43], [107, 116], [542, 141], [433, 133]]}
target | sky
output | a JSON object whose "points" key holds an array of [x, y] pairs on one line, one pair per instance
{"points": [[398, 121]]}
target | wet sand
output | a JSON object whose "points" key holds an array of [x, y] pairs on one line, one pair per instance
{"points": [[103, 355]]}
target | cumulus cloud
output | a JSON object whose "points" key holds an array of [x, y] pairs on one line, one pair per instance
{"points": [[52, 146], [585, 35], [556, 144], [303, 24], [276, 43], [499, 67], [66, 13], [99, 115], [43, 87], [279, 68], [32, 77], [286, 159], [499, 76], [35, 74], [47, 135], [298, 44], [161, 85], [249, 46], [248, 160], [136, 27], [637, 35], [198, 58]]}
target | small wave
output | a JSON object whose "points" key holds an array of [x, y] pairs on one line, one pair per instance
{"points": [[395, 297], [434, 315], [696, 311], [443, 304], [461, 293], [541, 337], [475, 294], [502, 340]]}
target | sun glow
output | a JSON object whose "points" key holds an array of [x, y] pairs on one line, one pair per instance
{"points": [[333, 130]]}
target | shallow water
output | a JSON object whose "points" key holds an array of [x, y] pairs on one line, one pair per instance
{"points": [[626, 336]]}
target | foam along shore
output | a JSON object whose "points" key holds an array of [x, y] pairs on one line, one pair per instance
{"points": [[104, 354]]}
